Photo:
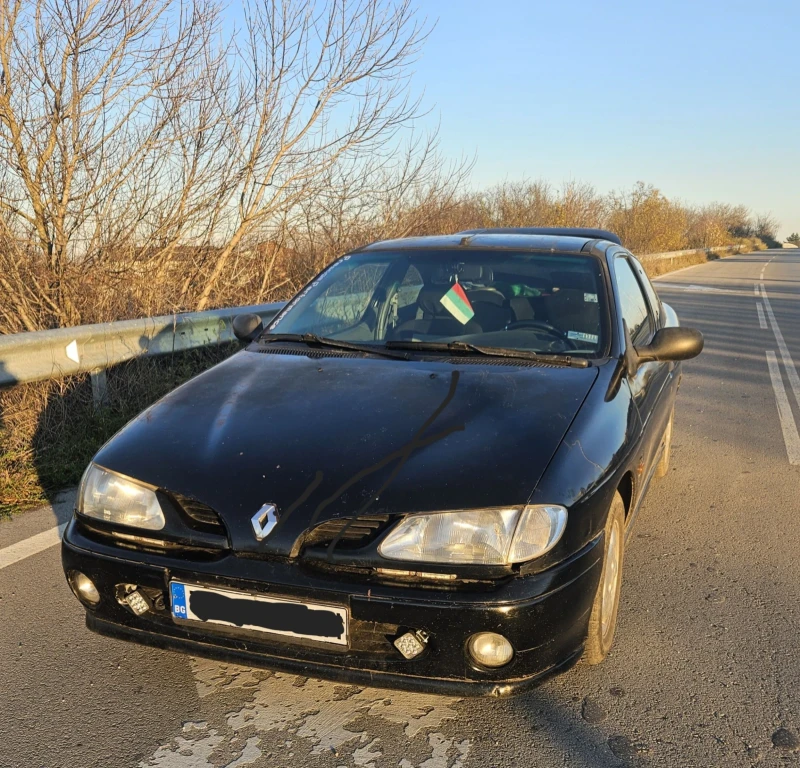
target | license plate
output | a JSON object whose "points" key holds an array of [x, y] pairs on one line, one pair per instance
{"points": [[278, 616]]}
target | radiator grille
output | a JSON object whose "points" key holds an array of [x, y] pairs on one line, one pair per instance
{"points": [[199, 512], [352, 533]]}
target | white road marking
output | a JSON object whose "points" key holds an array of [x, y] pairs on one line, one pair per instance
{"points": [[788, 363], [694, 288], [788, 425], [30, 546], [757, 290], [762, 321], [761, 276]]}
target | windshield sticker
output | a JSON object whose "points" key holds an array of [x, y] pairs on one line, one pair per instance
{"points": [[579, 336], [590, 298], [455, 301]]}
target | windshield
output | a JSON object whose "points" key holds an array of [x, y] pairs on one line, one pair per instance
{"points": [[541, 302]]}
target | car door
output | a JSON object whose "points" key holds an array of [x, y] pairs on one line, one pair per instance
{"points": [[649, 384]]}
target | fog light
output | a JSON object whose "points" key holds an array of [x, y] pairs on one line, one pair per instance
{"points": [[411, 644], [83, 588], [138, 603], [490, 649]]}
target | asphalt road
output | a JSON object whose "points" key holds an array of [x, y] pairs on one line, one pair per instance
{"points": [[706, 665]]}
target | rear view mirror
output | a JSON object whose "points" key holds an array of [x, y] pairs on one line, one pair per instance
{"points": [[247, 327], [671, 344]]}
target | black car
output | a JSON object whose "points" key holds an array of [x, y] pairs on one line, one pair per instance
{"points": [[420, 475]]}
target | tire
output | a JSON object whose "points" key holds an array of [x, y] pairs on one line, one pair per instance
{"points": [[603, 620], [663, 462]]}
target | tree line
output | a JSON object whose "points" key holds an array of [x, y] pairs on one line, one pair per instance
{"points": [[154, 160]]}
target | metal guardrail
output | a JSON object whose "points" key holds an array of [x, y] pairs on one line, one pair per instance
{"points": [[645, 257], [40, 355]]}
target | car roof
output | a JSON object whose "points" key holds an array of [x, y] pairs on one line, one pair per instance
{"points": [[568, 240], [589, 233]]}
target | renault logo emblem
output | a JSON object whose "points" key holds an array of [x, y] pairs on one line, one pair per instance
{"points": [[264, 521]]}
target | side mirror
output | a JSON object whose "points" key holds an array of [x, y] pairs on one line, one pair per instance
{"points": [[671, 344], [247, 327]]}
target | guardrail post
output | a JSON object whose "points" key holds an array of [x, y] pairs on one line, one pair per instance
{"points": [[99, 387]]}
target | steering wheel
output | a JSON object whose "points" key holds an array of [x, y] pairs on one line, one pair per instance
{"points": [[542, 326]]}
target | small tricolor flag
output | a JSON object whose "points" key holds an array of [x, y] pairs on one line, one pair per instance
{"points": [[455, 301]]}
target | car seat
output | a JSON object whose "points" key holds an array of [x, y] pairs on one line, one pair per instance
{"points": [[435, 320], [572, 304], [492, 311]]}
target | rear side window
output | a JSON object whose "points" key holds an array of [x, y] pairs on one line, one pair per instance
{"points": [[632, 302], [650, 292]]}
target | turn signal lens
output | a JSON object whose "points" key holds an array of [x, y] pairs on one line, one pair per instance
{"points": [[538, 531], [490, 649]]}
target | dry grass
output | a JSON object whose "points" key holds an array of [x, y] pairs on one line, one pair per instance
{"points": [[658, 267], [50, 430]]}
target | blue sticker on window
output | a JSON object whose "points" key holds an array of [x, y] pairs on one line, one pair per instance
{"points": [[178, 594]]}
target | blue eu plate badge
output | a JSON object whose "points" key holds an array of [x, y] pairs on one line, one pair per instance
{"points": [[178, 594]]}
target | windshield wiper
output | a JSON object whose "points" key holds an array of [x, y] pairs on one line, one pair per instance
{"points": [[323, 341], [465, 347]]}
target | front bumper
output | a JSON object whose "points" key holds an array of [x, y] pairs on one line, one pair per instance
{"points": [[545, 616]]}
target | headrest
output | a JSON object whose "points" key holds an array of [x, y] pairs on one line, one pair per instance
{"points": [[476, 273], [428, 300], [486, 295], [575, 281]]}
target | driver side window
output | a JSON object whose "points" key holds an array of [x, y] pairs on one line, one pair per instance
{"points": [[344, 304], [632, 303]]}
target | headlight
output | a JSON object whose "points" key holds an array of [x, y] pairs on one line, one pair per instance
{"points": [[477, 537], [116, 499]]}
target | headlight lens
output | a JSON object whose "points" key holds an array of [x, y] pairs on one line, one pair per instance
{"points": [[477, 537], [116, 499]]}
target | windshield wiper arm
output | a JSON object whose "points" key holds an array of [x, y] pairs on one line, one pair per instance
{"points": [[466, 347], [323, 341]]}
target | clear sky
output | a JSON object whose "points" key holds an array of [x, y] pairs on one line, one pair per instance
{"points": [[698, 97]]}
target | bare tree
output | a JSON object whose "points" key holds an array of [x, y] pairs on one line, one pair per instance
{"points": [[766, 227], [410, 190], [127, 132], [99, 114], [318, 84]]}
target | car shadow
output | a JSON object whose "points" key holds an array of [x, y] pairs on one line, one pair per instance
{"points": [[557, 719]]}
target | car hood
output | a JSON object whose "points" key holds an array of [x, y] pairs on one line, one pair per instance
{"points": [[340, 436]]}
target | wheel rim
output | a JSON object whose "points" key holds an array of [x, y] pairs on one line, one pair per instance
{"points": [[610, 580]]}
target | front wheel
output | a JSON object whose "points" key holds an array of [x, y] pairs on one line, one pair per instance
{"points": [[603, 621]]}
